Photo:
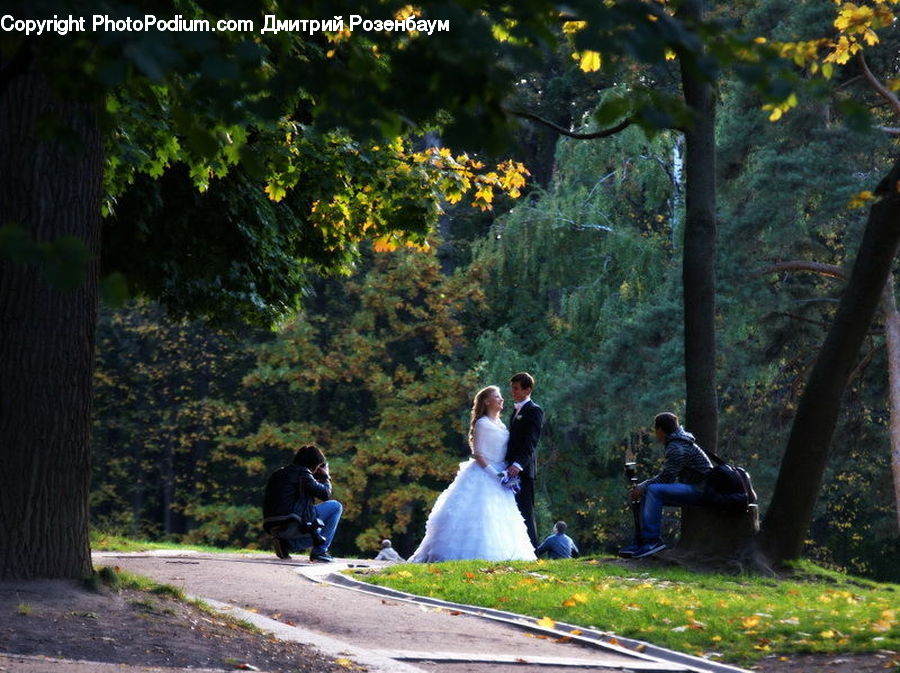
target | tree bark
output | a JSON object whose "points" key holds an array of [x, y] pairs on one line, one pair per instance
{"points": [[719, 539], [892, 339], [803, 465], [892, 342], [698, 270], [51, 187]]}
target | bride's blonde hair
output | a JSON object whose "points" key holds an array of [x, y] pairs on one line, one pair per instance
{"points": [[478, 407]]}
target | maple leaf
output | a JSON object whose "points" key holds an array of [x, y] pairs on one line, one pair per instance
{"points": [[589, 61]]}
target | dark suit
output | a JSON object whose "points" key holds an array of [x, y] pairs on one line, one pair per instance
{"points": [[524, 433]]}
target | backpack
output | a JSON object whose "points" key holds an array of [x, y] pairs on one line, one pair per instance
{"points": [[729, 486]]}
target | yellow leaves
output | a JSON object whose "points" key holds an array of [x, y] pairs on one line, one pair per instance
{"points": [[778, 109], [385, 244], [574, 600], [802, 53], [827, 635], [572, 27], [339, 36], [407, 12], [855, 24], [588, 61], [842, 50], [460, 174], [860, 199], [750, 622], [546, 622], [484, 195], [275, 192], [886, 623], [853, 18]]}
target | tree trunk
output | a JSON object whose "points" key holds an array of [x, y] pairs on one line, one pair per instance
{"points": [[51, 187], [803, 465], [698, 270], [719, 539], [892, 341], [892, 338]]}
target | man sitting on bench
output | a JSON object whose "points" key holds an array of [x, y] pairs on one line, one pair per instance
{"points": [[680, 482]]}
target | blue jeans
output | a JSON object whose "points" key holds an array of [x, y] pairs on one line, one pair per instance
{"points": [[330, 512], [657, 496]]}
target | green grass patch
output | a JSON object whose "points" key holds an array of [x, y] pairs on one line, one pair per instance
{"points": [[115, 578], [101, 541], [738, 619]]}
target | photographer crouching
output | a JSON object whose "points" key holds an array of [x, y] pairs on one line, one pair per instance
{"points": [[290, 514]]}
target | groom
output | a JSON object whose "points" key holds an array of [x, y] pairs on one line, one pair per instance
{"points": [[524, 433]]}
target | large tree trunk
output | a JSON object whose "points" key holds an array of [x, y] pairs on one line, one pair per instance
{"points": [[699, 281], [50, 186], [892, 337], [803, 465], [698, 271]]}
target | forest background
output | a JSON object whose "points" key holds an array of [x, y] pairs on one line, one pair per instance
{"points": [[578, 281]]}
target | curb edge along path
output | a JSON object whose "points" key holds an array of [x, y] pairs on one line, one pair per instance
{"points": [[646, 653], [642, 656], [332, 647], [372, 660]]}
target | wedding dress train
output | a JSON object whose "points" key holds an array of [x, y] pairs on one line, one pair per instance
{"points": [[476, 517]]}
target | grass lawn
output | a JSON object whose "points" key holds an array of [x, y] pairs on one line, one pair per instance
{"points": [[738, 619], [106, 542]]}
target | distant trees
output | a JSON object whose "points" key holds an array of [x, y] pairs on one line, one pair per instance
{"points": [[190, 421], [288, 110], [318, 124]]}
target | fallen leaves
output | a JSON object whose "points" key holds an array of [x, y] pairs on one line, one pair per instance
{"points": [[575, 599]]}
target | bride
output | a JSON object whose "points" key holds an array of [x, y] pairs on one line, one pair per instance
{"points": [[477, 517]]}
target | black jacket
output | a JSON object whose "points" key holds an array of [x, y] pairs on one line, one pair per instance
{"points": [[685, 462], [293, 489], [524, 433]]}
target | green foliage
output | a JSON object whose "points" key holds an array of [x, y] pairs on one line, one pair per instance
{"points": [[374, 376], [580, 284], [782, 199], [725, 618], [159, 410], [221, 525], [372, 371], [584, 294]]}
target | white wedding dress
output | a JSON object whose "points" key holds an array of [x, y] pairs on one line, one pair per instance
{"points": [[476, 517]]}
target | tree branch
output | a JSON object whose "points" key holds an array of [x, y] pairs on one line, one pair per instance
{"points": [[888, 95], [830, 270], [572, 134], [892, 130]]}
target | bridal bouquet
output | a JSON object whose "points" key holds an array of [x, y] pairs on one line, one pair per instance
{"points": [[514, 484]]}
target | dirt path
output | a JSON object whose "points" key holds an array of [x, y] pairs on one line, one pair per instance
{"points": [[60, 627], [428, 638]]}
